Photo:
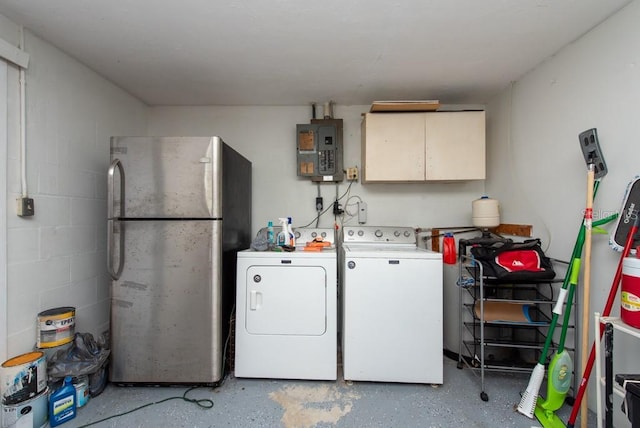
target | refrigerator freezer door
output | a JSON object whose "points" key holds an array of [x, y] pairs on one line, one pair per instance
{"points": [[165, 311], [169, 177]]}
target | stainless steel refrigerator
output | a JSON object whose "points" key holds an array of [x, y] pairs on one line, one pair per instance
{"points": [[179, 209]]}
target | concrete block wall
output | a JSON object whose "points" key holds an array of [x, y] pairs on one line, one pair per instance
{"points": [[56, 258]]}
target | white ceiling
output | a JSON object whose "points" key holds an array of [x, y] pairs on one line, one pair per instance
{"points": [[294, 52]]}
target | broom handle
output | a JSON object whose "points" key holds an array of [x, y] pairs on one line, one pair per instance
{"points": [[613, 292], [588, 222]]}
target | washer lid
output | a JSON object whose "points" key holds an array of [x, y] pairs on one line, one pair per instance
{"points": [[395, 251]]}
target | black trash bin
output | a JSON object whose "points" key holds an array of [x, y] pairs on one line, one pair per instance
{"points": [[631, 405]]}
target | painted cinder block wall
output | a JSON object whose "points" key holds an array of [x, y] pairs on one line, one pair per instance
{"points": [[56, 258]]}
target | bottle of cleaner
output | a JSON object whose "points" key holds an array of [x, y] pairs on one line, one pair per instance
{"points": [[283, 236], [292, 236], [449, 251], [62, 403], [270, 240]]}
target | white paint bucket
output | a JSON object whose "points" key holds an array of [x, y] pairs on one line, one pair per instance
{"points": [[28, 414], [23, 377], [56, 327]]}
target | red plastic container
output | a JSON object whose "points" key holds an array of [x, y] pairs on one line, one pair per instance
{"points": [[630, 295], [449, 249]]}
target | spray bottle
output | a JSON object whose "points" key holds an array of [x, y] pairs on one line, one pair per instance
{"points": [[292, 236], [283, 236]]}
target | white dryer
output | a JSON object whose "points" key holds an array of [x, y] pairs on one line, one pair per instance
{"points": [[391, 293], [286, 311]]}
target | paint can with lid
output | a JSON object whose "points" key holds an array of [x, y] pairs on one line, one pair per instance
{"points": [[56, 327], [23, 377], [630, 295]]}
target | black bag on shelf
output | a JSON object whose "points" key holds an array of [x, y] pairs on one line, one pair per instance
{"points": [[514, 261]]}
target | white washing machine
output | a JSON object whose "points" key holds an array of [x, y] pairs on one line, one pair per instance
{"points": [[286, 311], [391, 293]]}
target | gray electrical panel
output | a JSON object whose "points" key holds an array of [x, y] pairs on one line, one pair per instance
{"points": [[319, 150]]}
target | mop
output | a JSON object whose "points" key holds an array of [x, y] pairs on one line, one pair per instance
{"points": [[561, 365], [629, 213], [586, 284], [597, 167]]}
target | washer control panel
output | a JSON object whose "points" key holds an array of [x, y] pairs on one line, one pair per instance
{"points": [[304, 235], [379, 234]]}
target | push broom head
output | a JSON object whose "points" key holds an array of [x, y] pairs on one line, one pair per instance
{"points": [[528, 401]]}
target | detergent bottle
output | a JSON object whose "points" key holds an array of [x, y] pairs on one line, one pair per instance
{"points": [[283, 236], [292, 236], [270, 239], [449, 252]]}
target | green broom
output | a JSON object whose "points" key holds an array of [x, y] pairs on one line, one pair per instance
{"points": [[527, 405], [529, 398], [561, 365]]}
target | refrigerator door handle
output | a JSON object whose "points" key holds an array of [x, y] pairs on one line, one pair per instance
{"points": [[115, 273]]}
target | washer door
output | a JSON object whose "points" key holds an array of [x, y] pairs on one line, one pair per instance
{"points": [[286, 300]]}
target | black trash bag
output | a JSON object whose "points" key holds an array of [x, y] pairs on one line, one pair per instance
{"points": [[85, 357]]}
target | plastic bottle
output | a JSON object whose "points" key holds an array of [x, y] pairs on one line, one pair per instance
{"points": [[62, 403], [292, 235], [270, 240], [283, 238], [81, 384], [449, 249]]}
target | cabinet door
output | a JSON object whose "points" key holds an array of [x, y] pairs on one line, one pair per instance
{"points": [[455, 145], [393, 147]]}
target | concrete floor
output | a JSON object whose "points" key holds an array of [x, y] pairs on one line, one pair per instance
{"points": [[307, 404]]}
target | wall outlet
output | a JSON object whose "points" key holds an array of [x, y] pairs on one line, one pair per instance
{"points": [[352, 173], [25, 207]]}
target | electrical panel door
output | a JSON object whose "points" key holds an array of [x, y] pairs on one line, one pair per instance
{"points": [[319, 150]]}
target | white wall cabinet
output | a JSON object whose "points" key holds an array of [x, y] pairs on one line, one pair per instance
{"points": [[418, 147]]}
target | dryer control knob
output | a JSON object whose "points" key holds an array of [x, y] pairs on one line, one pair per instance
{"points": [[350, 233], [378, 233], [396, 233], [407, 233]]}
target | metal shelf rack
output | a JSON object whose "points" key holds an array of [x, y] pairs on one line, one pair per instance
{"points": [[505, 346]]}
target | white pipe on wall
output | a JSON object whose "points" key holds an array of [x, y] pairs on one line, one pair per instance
{"points": [[23, 123]]}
